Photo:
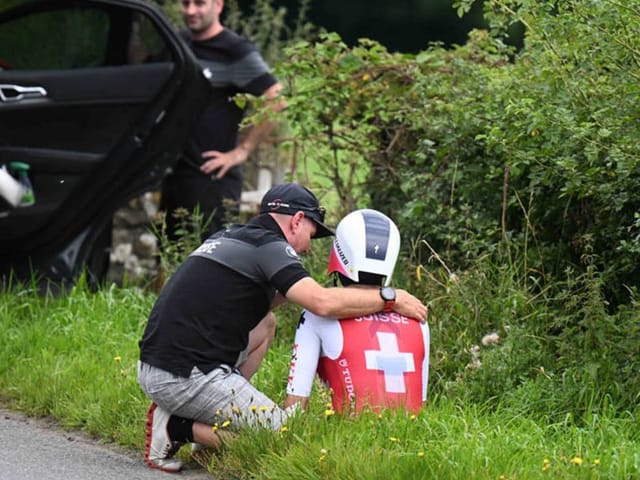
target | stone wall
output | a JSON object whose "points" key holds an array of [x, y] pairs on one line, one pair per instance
{"points": [[133, 257]]}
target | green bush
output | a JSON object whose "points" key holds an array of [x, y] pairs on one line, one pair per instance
{"points": [[514, 169], [567, 134], [480, 148]]}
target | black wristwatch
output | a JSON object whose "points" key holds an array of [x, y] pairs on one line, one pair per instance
{"points": [[388, 294]]}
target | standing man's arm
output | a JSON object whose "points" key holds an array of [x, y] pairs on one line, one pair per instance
{"points": [[224, 161]]}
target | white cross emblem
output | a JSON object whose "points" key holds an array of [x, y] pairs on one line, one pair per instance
{"points": [[391, 361]]}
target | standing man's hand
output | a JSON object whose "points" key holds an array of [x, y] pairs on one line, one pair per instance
{"points": [[219, 163]]}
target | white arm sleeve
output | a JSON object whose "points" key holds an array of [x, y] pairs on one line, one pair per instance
{"points": [[315, 336], [304, 360], [425, 363]]}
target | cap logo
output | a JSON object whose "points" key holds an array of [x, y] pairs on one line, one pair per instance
{"points": [[277, 203]]}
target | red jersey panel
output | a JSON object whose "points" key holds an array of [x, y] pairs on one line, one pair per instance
{"points": [[382, 363]]}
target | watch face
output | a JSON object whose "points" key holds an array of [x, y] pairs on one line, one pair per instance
{"points": [[388, 294]]}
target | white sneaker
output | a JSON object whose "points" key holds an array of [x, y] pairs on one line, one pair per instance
{"points": [[159, 448]]}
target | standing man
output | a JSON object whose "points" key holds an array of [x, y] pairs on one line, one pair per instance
{"points": [[211, 325], [369, 361], [208, 175]]}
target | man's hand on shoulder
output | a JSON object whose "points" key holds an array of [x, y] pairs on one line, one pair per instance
{"points": [[410, 306]]}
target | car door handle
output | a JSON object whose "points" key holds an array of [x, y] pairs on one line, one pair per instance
{"points": [[17, 93]]}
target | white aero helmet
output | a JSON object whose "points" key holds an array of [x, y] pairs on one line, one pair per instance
{"points": [[366, 241]]}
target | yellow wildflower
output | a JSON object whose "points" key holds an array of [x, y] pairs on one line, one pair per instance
{"points": [[393, 439], [263, 408], [421, 454], [226, 423], [284, 429], [328, 412], [235, 409], [117, 358], [576, 461], [596, 461], [253, 408]]}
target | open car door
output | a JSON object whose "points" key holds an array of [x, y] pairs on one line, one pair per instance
{"points": [[96, 98]]}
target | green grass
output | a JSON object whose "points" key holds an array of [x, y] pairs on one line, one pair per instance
{"points": [[444, 441], [74, 359]]}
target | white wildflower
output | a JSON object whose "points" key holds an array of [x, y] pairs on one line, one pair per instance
{"points": [[490, 339]]}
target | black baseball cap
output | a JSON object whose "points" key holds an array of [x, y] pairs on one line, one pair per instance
{"points": [[289, 198]]}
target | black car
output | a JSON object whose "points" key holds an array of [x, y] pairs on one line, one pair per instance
{"points": [[96, 98]]}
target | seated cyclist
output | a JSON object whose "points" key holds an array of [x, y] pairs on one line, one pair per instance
{"points": [[373, 361]]}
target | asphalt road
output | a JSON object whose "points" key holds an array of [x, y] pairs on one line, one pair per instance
{"points": [[38, 449]]}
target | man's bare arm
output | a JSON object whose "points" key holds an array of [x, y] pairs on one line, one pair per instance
{"points": [[351, 302]]}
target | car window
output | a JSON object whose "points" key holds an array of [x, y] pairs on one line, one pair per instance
{"points": [[79, 37]]}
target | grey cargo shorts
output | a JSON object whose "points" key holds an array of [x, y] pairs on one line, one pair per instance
{"points": [[222, 398]]}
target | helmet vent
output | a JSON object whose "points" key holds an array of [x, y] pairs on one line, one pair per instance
{"points": [[377, 236]]}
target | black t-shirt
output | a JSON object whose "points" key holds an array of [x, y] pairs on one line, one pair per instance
{"points": [[225, 287], [233, 65]]}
